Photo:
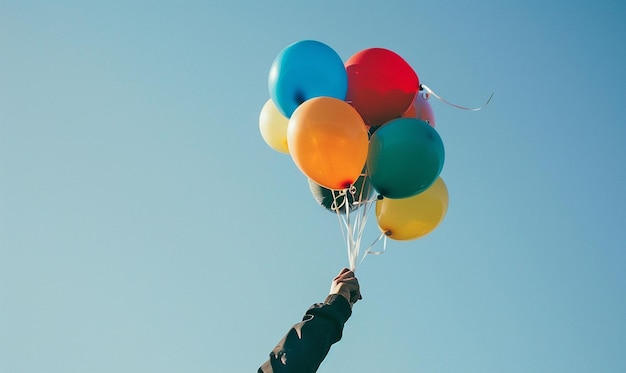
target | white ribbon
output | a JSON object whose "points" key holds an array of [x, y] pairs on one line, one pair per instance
{"points": [[352, 224], [430, 91]]}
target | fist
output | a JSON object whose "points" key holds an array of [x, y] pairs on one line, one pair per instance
{"points": [[346, 285]]}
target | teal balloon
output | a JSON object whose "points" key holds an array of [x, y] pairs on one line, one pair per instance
{"points": [[305, 70], [405, 157], [334, 202]]}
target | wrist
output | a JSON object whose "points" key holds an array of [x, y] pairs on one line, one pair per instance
{"points": [[340, 294]]}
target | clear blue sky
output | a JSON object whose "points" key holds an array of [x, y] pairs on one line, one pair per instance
{"points": [[146, 227]]}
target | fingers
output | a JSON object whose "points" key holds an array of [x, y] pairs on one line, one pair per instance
{"points": [[342, 273], [347, 280], [345, 273], [345, 276], [344, 270]]}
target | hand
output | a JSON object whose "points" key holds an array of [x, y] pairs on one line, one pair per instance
{"points": [[346, 285]]}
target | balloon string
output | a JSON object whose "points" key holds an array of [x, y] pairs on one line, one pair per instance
{"points": [[427, 89], [335, 206], [359, 227], [352, 221], [382, 236], [353, 248], [345, 225], [365, 202]]}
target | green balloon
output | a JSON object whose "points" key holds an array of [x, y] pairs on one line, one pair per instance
{"points": [[405, 157]]}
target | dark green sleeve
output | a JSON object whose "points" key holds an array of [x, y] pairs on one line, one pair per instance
{"points": [[307, 343]]}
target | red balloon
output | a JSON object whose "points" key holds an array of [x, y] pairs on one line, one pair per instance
{"points": [[381, 85]]}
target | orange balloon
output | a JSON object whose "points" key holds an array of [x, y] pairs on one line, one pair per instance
{"points": [[328, 141]]}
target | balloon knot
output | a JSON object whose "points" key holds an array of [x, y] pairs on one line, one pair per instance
{"points": [[299, 97]]}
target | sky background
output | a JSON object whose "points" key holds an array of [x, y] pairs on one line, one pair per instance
{"points": [[145, 226]]}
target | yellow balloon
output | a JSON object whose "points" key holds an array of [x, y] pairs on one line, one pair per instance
{"points": [[273, 127], [413, 217], [328, 141]]}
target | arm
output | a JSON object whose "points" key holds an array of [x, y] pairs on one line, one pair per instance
{"points": [[307, 343]]}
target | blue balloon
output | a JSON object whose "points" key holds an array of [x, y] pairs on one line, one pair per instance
{"points": [[304, 70]]}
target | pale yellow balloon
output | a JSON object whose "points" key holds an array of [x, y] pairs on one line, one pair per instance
{"points": [[413, 217], [273, 127]]}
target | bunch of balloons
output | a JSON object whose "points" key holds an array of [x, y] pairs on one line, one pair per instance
{"points": [[363, 134]]}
